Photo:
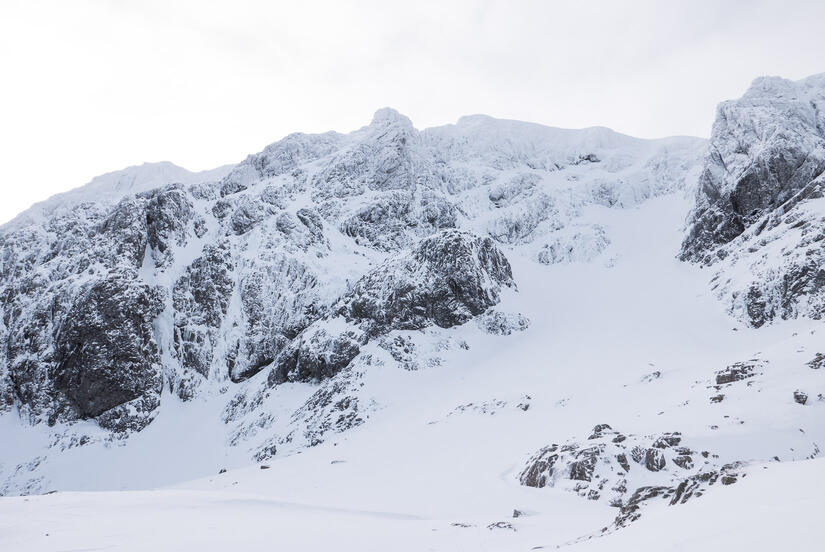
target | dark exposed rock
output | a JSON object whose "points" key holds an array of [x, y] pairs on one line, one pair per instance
{"points": [[541, 468], [582, 469], [736, 372], [668, 440], [654, 459], [402, 349], [800, 397], [445, 281], [599, 430], [729, 479], [587, 158], [335, 407], [168, 211], [601, 470], [105, 351], [605, 468], [501, 525], [622, 460], [127, 232], [679, 493], [765, 148], [763, 183], [684, 461], [316, 354], [246, 215], [817, 362]]}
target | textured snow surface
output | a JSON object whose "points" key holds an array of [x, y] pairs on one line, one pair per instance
{"points": [[777, 507]]}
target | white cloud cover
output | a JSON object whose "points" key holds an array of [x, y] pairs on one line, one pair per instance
{"points": [[93, 86]]}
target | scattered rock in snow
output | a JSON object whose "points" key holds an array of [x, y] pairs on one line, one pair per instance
{"points": [[817, 362], [610, 465], [501, 525], [737, 372], [499, 323]]}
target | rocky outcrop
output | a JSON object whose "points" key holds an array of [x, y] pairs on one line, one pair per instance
{"points": [[445, 281], [200, 299], [765, 148], [627, 470], [758, 207], [105, 354], [168, 214], [393, 219]]}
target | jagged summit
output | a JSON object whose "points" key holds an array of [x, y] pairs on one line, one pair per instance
{"points": [[776, 89], [388, 116], [760, 194]]}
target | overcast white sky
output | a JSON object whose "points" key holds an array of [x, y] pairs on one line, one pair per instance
{"points": [[93, 86]]}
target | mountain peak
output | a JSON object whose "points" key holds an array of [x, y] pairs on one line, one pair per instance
{"points": [[388, 116]]}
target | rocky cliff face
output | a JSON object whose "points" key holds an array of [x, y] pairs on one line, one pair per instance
{"points": [[295, 259], [446, 280], [757, 209]]}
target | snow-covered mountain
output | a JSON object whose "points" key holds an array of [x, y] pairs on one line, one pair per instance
{"points": [[468, 336], [759, 206], [107, 189]]}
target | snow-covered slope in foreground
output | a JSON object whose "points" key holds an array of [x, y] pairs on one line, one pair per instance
{"points": [[742, 518], [639, 343]]}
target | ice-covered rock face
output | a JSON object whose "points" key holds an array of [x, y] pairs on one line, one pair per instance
{"points": [[446, 280], [759, 201], [207, 279]]}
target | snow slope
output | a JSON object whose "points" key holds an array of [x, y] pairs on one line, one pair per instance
{"points": [[449, 441], [776, 508]]}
